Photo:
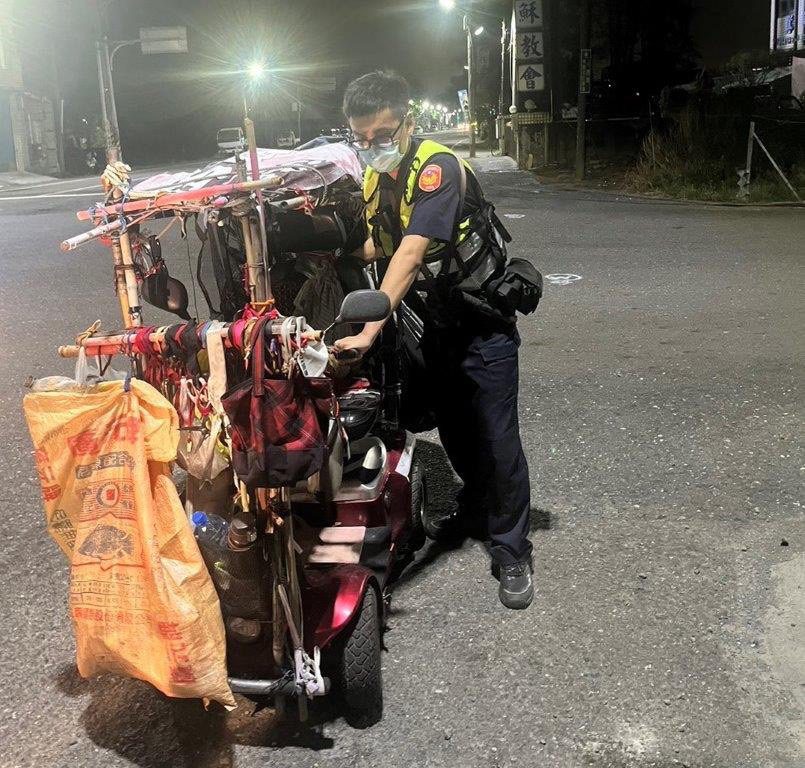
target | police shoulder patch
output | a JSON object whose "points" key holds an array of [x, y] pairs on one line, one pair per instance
{"points": [[431, 178]]}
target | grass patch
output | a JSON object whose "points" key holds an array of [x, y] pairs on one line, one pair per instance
{"points": [[697, 157]]}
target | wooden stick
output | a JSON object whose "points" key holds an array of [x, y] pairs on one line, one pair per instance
{"points": [[135, 319], [116, 343], [174, 199], [104, 229], [120, 283]]}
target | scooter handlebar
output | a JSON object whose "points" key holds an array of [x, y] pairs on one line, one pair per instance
{"points": [[346, 355]]}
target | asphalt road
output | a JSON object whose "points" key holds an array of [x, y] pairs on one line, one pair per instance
{"points": [[661, 417]]}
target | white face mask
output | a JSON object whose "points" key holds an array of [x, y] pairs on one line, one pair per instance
{"points": [[312, 359], [382, 160]]}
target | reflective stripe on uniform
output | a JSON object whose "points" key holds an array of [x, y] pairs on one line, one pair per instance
{"points": [[371, 197]]}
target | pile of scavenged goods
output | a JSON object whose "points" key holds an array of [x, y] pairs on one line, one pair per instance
{"points": [[233, 499]]}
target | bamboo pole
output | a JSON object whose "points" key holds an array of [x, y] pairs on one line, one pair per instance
{"points": [[120, 283], [252, 261], [261, 283], [130, 279], [175, 199], [259, 237], [117, 343]]}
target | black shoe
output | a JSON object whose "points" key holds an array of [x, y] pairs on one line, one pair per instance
{"points": [[516, 585], [447, 529], [452, 529]]}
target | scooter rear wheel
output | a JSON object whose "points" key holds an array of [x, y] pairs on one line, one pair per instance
{"points": [[412, 539], [360, 662]]}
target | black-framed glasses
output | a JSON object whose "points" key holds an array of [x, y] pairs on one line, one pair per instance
{"points": [[379, 142]]}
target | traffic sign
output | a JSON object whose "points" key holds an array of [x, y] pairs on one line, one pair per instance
{"points": [[585, 70], [163, 40]]}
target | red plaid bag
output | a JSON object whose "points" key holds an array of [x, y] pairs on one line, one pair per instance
{"points": [[276, 436]]}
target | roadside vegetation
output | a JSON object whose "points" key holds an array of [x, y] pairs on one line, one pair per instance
{"points": [[697, 156]]}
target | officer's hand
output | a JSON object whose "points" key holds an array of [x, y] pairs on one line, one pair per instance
{"points": [[359, 345]]}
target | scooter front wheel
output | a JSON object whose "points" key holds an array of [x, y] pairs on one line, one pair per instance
{"points": [[360, 661]]}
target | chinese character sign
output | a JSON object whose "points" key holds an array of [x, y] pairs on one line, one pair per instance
{"points": [[529, 45], [528, 13], [530, 77]]}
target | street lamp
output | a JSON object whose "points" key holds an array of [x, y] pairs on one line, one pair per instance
{"points": [[448, 5], [256, 70], [478, 30]]}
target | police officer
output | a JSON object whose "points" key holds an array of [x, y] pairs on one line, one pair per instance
{"points": [[413, 189]]}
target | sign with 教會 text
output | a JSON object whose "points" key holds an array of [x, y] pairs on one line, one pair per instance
{"points": [[530, 45], [530, 77]]}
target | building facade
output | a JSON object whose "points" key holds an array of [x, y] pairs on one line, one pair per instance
{"points": [[28, 139]]}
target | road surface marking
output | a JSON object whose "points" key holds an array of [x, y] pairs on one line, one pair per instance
{"points": [[562, 278]]}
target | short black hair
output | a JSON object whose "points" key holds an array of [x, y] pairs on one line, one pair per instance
{"points": [[375, 91]]}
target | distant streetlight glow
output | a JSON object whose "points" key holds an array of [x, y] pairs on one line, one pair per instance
{"points": [[256, 70], [478, 31], [448, 5]]}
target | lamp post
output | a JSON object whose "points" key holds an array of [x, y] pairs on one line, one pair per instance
{"points": [[106, 60], [470, 95], [475, 31]]}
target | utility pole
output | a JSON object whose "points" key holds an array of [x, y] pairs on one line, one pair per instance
{"points": [[102, 55], [585, 67], [470, 96], [299, 112], [502, 64], [152, 40]]}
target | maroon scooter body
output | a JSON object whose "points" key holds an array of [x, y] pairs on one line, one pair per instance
{"points": [[332, 594]]}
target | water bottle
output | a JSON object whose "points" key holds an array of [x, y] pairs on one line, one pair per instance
{"points": [[235, 564], [210, 531]]}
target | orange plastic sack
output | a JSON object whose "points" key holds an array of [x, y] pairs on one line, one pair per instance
{"points": [[141, 599]]}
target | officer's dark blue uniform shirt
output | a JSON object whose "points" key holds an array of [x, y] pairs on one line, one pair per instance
{"points": [[436, 196]]}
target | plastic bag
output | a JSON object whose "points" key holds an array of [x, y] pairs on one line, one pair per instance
{"points": [[141, 599], [203, 453], [91, 370]]}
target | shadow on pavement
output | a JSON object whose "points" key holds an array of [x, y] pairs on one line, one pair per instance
{"points": [[541, 519], [150, 730]]}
